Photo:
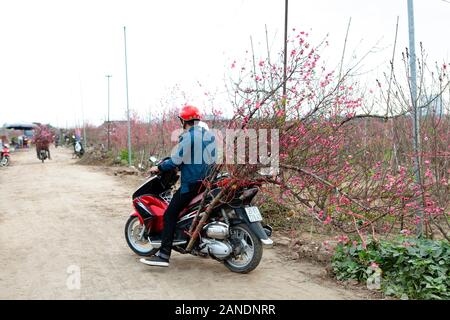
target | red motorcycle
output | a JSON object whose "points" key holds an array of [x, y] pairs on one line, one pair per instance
{"points": [[233, 233], [4, 156]]}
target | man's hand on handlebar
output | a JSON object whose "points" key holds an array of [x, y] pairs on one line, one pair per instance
{"points": [[154, 170]]}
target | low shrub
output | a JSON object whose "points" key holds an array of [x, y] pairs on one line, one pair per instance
{"points": [[410, 268], [124, 156]]}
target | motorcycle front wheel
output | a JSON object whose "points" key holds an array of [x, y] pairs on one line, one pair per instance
{"points": [[5, 161], [248, 249], [135, 238]]}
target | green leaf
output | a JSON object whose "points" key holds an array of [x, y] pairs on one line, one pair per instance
{"points": [[419, 271]]}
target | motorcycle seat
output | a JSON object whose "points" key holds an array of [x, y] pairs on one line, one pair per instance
{"points": [[196, 199]]}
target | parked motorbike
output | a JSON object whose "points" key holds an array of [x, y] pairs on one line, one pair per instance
{"points": [[5, 156], [233, 234]]}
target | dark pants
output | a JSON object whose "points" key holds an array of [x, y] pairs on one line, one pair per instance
{"points": [[176, 205]]}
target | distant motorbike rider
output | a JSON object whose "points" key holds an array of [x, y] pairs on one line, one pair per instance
{"points": [[42, 147], [194, 155], [4, 150], [78, 148], [42, 138]]}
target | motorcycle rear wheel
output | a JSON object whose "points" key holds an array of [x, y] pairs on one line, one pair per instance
{"points": [[141, 247], [251, 250]]}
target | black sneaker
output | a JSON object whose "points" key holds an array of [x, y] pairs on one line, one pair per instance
{"points": [[155, 261]]}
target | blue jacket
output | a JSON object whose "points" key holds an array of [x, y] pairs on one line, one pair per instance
{"points": [[194, 156]]}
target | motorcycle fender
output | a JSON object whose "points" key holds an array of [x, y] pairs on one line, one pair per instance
{"points": [[135, 214], [256, 227]]}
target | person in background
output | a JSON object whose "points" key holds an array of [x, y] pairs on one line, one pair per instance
{"points": [[26, 142]]}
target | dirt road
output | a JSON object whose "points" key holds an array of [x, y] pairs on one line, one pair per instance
{"points": [[61, 237]]}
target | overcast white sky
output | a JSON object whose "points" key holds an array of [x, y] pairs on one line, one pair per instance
{"points": [[54, 55]]}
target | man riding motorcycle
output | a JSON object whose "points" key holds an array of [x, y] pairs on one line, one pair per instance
{"points": [[194, 165], [78, 149], [42, 138], [41, 147]]}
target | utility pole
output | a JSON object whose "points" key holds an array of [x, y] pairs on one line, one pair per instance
{"points": [[415, 113], [128, 105], [109, 123], [82, 116], [84, 133], [285, 55]]}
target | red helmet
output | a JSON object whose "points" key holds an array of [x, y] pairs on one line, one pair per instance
{"points": [[188, 113]]}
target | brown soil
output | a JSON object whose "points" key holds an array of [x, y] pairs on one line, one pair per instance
{"points": [[59, 214]]}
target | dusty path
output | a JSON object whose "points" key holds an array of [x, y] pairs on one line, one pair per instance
{"points": [[59, 217]]}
